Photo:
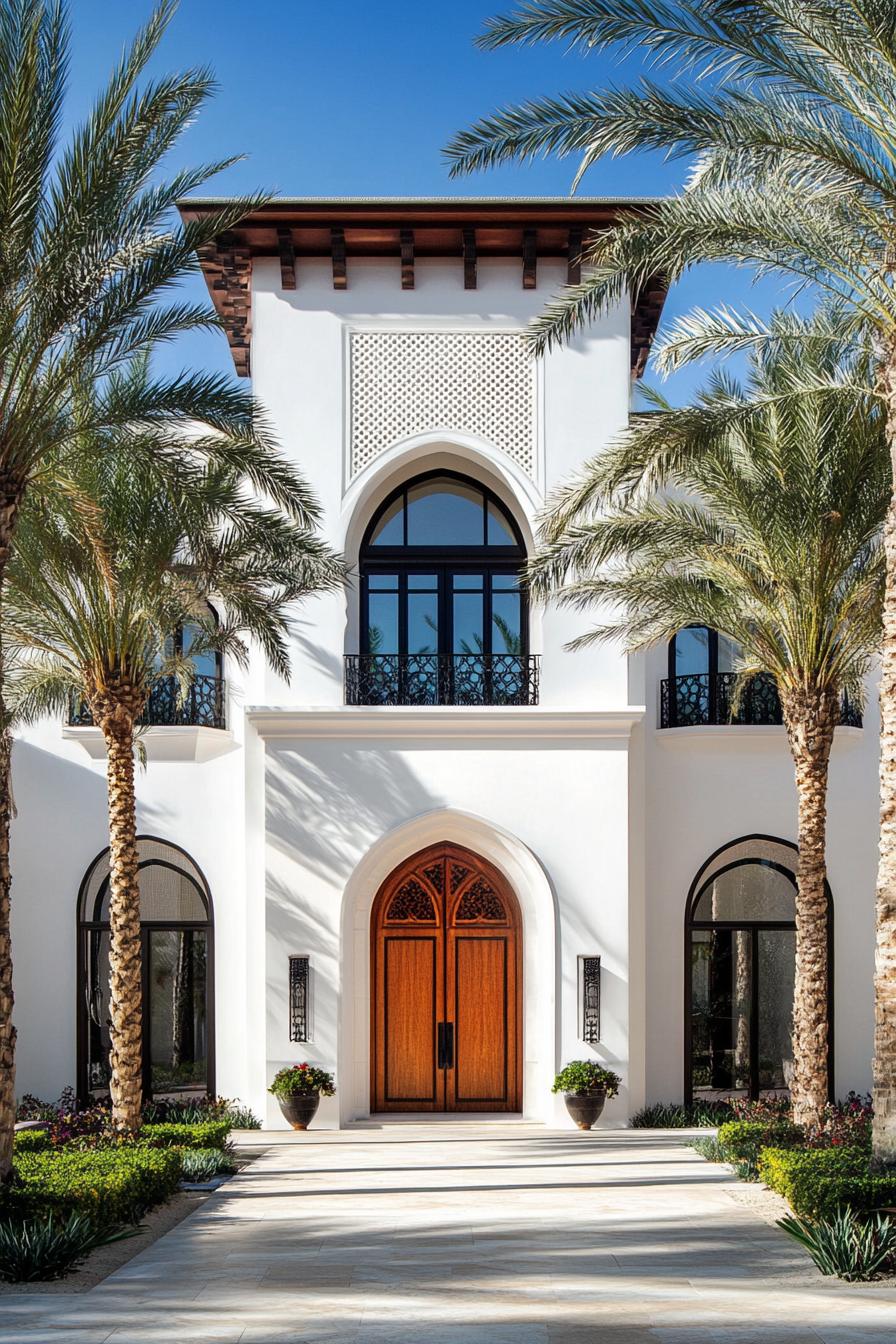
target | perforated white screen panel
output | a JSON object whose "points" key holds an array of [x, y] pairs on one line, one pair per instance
{"points": [[403, 383]]}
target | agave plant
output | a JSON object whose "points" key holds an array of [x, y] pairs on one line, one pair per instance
{"points": [[50, 1246], [850, 1245]]}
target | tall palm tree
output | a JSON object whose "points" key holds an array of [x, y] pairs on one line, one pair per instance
{"points": [[785, 110], [90, 246], [767, 526], [95, 590]]}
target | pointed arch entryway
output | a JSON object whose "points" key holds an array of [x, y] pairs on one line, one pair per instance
{"points": [[446, 986]]}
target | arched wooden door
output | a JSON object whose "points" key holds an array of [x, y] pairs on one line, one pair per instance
{"points": [[446, 1020]]}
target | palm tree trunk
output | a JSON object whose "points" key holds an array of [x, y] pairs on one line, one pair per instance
{"points": [[883, 1141], [810, 717], [10, 504], [7, 1030], [125, 959]]}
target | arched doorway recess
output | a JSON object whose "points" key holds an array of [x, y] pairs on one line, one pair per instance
{"points": [[446, 986]]}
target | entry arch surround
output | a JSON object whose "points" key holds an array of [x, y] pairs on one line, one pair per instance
{"points": [[537, 905]]}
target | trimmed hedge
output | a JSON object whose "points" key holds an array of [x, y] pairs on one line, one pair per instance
{"points": [[31, 1141], [819, 1181], [206, 1134], [114, 1185], [742, 1140]]}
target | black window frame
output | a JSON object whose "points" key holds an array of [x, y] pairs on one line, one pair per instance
{"points": [[444, 562], [754, 926]]}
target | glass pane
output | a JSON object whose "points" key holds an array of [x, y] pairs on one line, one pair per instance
{"points": [[423, 623], [178, 1029], [383, 582], [426, 582], [382, 623], [729, 652], [499, 531], [692, 651], [721, 980], [468, 623], [473, 581], [96, 995], [389, 531], [506, 581], [506, 624], [777, 957], [444, 512], [206, 663], [751, 891]]}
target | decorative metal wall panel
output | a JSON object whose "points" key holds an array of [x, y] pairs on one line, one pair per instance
{"points": [[589, 993], [403, 383], [299, 999]]}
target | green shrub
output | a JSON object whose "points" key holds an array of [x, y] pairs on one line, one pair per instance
{"points": [[206, 1134], [112, 1185], [193, 1110], [850, 1246], [32, 1141], [203, 1164], [709, 1148], [48, 1246], [818, 1181], [741, 1142], [672, 1115], [582, 1076]]}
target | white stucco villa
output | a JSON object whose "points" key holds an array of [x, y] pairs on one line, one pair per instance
{"points": [[449, 855]]}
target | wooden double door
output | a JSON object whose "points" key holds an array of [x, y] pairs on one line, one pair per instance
{"points": [[446, 987]]}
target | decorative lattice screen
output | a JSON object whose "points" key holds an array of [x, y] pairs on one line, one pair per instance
{"points": [[412, 382]]}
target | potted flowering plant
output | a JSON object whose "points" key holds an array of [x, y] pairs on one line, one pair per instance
{"points": [[586, 1087], [299, 1088]]}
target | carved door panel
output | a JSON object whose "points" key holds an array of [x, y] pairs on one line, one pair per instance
{"points": [[446, 987]]}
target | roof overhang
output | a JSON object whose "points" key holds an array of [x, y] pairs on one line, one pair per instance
{"points": [[405, 228]]}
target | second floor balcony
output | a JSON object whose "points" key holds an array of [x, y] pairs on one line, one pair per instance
{"points": [[441, 679], [167, 707], [709, 698]]}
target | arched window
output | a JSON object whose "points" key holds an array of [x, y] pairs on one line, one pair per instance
{"points": [[701, 683], [177, 952], [740, 943], [443, 615]]}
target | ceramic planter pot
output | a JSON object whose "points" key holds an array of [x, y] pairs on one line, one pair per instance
{"points": [[585, 1107], [300, 1108]]}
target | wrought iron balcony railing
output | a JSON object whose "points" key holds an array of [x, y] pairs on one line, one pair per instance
{"points": [[201, 707], [441, 679], [687, 702]]}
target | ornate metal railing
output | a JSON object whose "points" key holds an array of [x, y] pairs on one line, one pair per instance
{"points": [[436, 679], [687, 702], [201, 707]]}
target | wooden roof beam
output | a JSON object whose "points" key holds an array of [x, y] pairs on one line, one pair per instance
{"points": [[574, 256], [407, 258], [469, 258], [337, 251], [287, 258], [530, 258]]}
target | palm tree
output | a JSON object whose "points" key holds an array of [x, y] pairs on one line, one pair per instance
{"points": [[785, 110], [95, 590], [768, 528], [90, 247]]}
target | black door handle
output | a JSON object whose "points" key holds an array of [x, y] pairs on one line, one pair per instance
{"points": [[445, 1045]]}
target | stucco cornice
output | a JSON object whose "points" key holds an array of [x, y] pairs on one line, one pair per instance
{"points": [[454, 723]]}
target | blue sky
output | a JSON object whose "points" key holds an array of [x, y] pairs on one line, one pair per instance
{"points": [[359, 98]]}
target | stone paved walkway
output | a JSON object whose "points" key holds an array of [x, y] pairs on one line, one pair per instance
{"points": [[468, 1234]]}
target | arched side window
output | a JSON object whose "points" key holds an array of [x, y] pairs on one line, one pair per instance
{"points": [[176, 932], [740, 944], [701, 683], [444, 619]]}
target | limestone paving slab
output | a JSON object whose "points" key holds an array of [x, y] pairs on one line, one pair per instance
{"points": [[447, 1233]]}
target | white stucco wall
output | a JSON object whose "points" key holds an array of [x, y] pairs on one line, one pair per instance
{"points": [[293, 819]]}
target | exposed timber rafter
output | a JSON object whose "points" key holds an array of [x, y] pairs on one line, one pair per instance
{"points": [[287, 258], [407, 258], [337, 251]]}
